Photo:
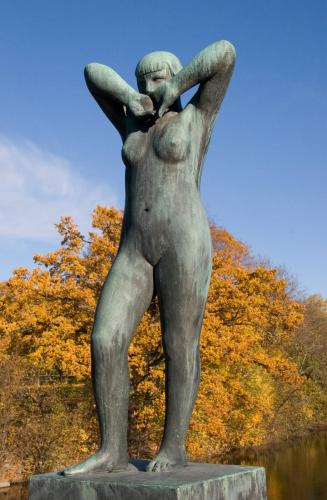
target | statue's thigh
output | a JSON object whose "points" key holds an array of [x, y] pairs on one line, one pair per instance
{"points": [[182, 281], [126, 293]]}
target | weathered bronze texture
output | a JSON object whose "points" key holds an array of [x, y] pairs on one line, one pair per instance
{"points": [[165, 246]]}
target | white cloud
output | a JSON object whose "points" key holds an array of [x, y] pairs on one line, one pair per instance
{"points": [[38, 187]]}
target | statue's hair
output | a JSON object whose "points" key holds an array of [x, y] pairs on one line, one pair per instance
{"points": [[156, 61]]}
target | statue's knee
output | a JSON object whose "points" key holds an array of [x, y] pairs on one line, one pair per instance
{"points": [[98, 340], [113, 343], [184, 359]]}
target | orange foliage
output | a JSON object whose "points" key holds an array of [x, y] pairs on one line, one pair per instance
{"points": [[250, 385]]}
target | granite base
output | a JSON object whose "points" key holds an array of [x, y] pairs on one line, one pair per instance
{"points": [[193, 482]]}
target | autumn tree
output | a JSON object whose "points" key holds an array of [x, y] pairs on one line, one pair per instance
{"points": [[252, 387], [310, 351]]}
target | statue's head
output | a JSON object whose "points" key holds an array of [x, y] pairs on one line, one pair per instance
{"points": [[154, 68]]}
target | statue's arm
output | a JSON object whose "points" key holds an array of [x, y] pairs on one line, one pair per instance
{"points": [[212, 69], [115, 96]]}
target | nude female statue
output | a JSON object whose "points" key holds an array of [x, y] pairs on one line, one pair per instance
{"points": [[165, 244]]}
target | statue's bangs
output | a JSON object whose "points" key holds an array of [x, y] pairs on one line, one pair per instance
{"points": [[156, 61], [149, 66]]}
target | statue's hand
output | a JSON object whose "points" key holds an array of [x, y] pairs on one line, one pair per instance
{"points": [[164, 96], [140, 105]]}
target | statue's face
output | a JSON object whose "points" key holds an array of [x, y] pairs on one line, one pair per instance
{"points": [[148, 82]]}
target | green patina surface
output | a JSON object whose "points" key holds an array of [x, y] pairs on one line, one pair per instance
{"points": [[165, 246]]}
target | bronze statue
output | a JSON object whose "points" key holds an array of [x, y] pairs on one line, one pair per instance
{"points": [[165, 244]]}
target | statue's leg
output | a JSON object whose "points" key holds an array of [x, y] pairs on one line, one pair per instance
{"points": [[182, 280], [125, 296]]}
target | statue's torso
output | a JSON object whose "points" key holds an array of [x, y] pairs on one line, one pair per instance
{"points": [[162, 173]]}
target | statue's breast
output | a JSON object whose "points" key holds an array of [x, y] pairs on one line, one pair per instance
{"points": [[170, 140], [134, 148], [167, 139]]}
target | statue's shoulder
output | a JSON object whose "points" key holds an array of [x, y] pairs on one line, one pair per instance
{"points": [[192, 116]]}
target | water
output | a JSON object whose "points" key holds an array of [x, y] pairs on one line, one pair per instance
{"points": [[15, 492], [295, 471]]}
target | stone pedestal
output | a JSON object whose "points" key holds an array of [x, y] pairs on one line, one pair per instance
{"points": [[193, 482]]}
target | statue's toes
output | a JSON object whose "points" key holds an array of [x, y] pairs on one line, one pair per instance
{"points": [[159, 466], [95, 463], [165, 466], [151, 466], [70, 471]]}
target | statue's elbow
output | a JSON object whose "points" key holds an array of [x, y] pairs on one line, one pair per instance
{"points": [[228, 52], [89, 72]]}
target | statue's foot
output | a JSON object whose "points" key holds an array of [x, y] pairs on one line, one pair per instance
{"points": [[167, 460], [99, 462]]}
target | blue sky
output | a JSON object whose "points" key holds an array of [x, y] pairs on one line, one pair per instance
{"points": [[265, 176]]}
